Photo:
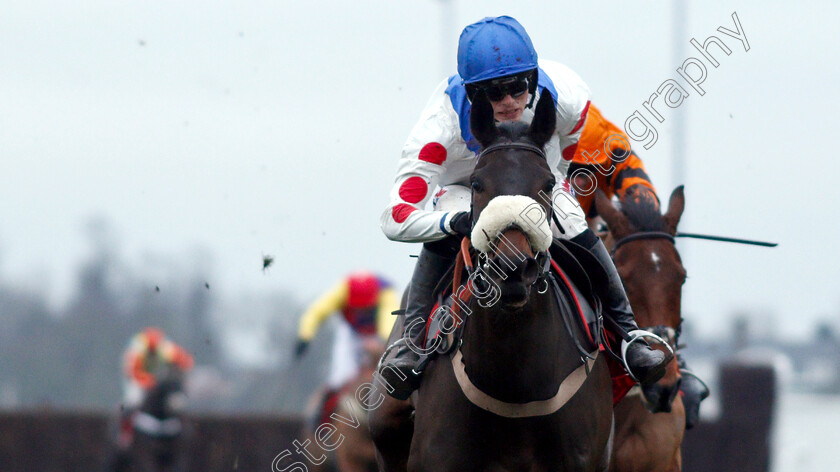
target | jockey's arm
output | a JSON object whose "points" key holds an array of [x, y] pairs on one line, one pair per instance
{"points": [[602, 157], [572, 109], [425, 156], [629, 172], [327, 304], [135, 371], [387, 304], [179, 357]]}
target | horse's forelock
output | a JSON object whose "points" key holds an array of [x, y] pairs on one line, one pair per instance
{"points": [[642, 210], [513, 131]]}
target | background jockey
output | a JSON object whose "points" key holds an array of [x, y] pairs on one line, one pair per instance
{"points": [[601, 153], [150, 354], [495, 56], [611, 165], [366, 303]]}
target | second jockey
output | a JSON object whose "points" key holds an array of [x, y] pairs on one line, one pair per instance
{"points": [[149, 354], [604, 152], [365, 302], [496, 56]]}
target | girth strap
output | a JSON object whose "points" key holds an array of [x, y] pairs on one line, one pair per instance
{"points": [[568, 387]]}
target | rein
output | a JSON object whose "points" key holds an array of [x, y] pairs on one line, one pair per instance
{"points": [[568, 387]]}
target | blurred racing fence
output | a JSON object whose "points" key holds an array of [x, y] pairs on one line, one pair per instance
{"points": [[51, 441], [740, 438], [54, 441]]}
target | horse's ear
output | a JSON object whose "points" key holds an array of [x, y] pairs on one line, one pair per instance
{"points": [[676, 205], [616, 221], [482, 122], [545, 119]]}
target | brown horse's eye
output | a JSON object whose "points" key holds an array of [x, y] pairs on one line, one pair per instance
{"points": [[476, 186]]}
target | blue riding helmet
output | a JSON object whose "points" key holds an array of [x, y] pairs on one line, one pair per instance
{"points": [[493, 48]]}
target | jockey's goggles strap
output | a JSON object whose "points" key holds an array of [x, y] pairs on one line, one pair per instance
{"points": [[523, 146]]}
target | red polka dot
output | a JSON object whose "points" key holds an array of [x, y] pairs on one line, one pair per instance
{"points": [[434, 153], [414, 189], [582, 118], [400, 212], [569, 152]]}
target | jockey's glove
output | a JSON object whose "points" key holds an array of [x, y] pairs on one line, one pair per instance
{"points": [[300, 348], [461, 223]]}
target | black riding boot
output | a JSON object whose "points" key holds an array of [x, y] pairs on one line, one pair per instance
{"points": [[401, 370], [694, 391], [646, 364]]}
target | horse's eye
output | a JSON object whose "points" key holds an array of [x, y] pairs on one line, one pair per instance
{"points": [[476, 186], [549, 187]]}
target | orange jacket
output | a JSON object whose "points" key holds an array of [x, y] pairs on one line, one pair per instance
{"points": [[599, 158], [139, 361]]}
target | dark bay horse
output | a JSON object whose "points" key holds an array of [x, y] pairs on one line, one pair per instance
{"points": [[642, 241], [516, 394], [350, 419], [357, 453], [160, 432]]}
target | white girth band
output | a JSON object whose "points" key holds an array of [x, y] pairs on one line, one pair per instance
{"points": [[568, 387]]}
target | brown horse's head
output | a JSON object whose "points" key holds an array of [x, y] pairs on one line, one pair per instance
{"points": [[651, 269], [512, 163]]}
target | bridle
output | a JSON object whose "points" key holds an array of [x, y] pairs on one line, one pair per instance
{"points": [[667, 333], [642, 235], [543, 258], [512, 145]]}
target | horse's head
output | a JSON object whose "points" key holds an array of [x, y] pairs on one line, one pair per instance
{"points": [[511, 188], [651, 269]]}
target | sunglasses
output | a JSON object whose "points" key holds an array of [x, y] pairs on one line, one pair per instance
{"points": [[498, 89]]}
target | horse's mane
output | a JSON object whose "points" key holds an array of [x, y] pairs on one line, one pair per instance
{"points": [[641, 207]]}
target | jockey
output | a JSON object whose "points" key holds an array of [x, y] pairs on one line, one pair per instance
{"points": [[365, 302], [601, 153], [495, 55], [149, 354], [616, 171]]}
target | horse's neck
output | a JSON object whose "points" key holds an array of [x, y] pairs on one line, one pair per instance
{"points": [[516, 357]]}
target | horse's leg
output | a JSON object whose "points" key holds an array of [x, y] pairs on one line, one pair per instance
{"points": [[391, 426], [604, 466], [648, 442]]}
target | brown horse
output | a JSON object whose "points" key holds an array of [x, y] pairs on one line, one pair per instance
{"points": [[356, 453], [516, 393], [643, 248]]}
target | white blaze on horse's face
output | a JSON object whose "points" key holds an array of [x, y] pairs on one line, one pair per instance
{"points": [[655, 258]]}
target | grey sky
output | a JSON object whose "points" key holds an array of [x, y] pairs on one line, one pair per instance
{"points": [[237, 129]]}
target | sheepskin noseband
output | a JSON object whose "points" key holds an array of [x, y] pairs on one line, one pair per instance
{"points": [[505, 211]]}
